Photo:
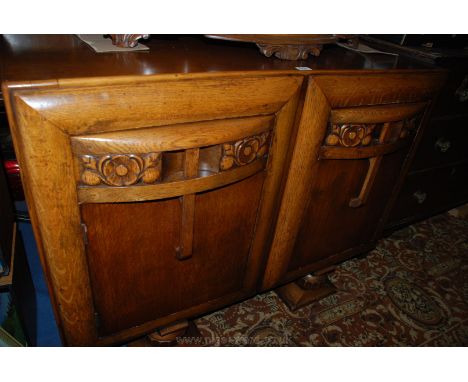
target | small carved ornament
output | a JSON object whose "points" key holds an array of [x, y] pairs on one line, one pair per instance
{"points": [[244, 151], [290, 52], [127, 40], [121, 169], [288, 46], [350, 135]]}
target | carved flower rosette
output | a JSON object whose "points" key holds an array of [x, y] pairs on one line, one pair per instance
{"points": [[363, 134], [121, 169], [244, 151], [350, 135]]}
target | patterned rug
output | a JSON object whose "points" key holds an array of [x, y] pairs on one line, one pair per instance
{"points": [[412, 290]]}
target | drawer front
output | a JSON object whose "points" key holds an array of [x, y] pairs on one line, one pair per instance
{"points": [[349, 154], [428, 192], [152, 197], [444, 141], [168, 161]]}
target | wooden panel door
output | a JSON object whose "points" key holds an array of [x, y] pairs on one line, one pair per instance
{"points": [[354, 136], [152, 197]]}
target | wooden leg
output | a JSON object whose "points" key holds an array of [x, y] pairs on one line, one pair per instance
{"points": [[181, 333], [305, 291]]}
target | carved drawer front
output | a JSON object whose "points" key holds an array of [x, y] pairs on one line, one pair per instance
{"points": [[353, 138], [168, 161], [152, 197]]}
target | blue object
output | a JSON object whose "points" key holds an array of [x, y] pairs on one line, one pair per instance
{"points": [[46, 328]]}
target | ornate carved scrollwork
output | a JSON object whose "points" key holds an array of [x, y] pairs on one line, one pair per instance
{"points": [[127, 40], [243, 151], [290, 52], [121, 169], [353, 135], [350, 135]]}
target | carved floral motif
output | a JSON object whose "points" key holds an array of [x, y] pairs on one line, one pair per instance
{"points": [[361, 134], [350, 135], [121, 169], [243, 151]]}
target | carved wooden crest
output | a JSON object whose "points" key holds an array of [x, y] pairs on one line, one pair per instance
{"points": [[121, 169], [243, 151], [350, 135]]}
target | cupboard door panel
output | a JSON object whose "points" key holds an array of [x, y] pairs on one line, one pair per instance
{"points": [[330, 226], [129, 246], [225, 222], [135, 273], [349, 158]]}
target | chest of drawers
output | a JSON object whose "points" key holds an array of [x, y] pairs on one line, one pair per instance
{"points": [[438, 176]]}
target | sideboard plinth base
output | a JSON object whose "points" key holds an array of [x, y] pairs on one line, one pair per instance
{"points": [[305, 291], [179, 334]]}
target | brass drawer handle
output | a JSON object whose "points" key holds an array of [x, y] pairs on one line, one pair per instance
{"points": [[442, 145], [420, 196]]}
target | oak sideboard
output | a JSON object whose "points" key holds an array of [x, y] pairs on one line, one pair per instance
{"points": [[165, 185]]}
